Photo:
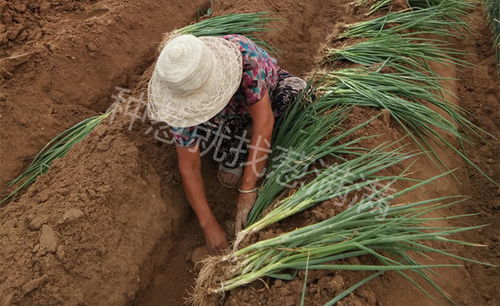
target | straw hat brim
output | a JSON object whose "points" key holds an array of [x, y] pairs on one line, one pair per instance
{"points": [[206, 102]]}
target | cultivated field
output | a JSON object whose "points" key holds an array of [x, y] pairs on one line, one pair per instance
{"points": [[108, 223]]}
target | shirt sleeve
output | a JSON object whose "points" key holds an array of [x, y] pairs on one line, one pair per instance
{"points": [[258, 70], [253, 80], [184, 137]]}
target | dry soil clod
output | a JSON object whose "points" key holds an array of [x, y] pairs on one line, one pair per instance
{"points": [[48, 239]]}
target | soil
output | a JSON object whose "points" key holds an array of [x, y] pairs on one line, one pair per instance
{"points": [[109, 225]]}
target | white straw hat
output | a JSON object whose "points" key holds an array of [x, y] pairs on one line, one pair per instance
{"points": [[193, 80]]}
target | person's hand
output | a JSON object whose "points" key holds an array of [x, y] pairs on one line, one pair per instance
{"points": [[245, 204], [215, 238]]}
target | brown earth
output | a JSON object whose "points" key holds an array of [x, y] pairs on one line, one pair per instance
{"points": [[108, 224], [477, 91], [59, 77]]}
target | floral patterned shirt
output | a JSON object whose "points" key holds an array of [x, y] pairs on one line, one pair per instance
{"points": [[260, 75]]}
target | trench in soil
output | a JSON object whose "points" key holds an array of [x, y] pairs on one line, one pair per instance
{"points": [[173, 269]]}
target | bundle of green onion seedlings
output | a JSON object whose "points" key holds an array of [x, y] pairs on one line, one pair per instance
{"points": [[402, 51], [58, 147], [307, 132], [400, 90], [243, 24], [334, 181], [405, 98], [459, 4], [440, 19], [392, 234], [492, 9], [374, 5], [377, 5]]}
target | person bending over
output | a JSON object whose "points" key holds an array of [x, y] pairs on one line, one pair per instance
{"points": [[215, 93]]}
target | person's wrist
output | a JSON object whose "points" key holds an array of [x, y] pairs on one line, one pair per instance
{"points": [[247, 191], [247, 188]]}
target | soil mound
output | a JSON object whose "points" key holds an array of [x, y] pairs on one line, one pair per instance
{"points": [[83, 232]]}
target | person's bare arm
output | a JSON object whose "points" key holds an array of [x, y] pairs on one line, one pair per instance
{"points": [[260, 144], [194, 187], [262, 131]]}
